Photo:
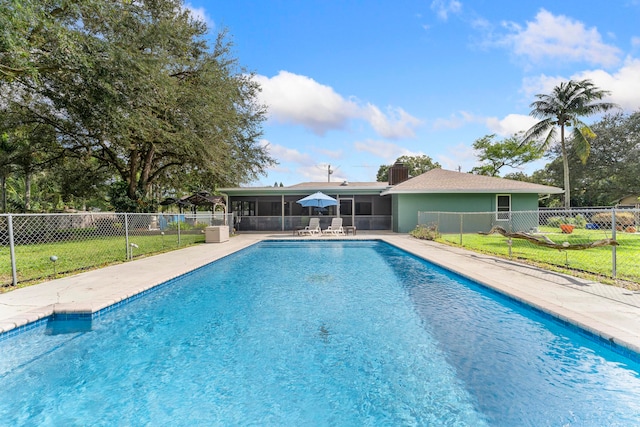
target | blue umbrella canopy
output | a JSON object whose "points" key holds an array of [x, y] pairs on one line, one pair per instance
{"points": [[318, 200]]}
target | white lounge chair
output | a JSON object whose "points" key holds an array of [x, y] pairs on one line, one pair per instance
{"points": [[312, 228], [335, 228]]}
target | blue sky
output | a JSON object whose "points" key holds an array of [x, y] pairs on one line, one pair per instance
{"points": [[356, 84]]}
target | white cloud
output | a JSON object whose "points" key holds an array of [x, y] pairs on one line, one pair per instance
{"points": [[315, 174], [559, 38], [480, 23], [333, 154], [531, 86], [284, 154], [397, 123], [457, 120], [297, 99], [292, 161], [460, 156], [507, 126], [624, 84], [511, 124], [199, 14], [443, 8], [635, 41], [384, 150]]}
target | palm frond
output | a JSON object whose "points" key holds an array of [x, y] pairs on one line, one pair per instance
{"points": [[581, 136], [546, 126]]}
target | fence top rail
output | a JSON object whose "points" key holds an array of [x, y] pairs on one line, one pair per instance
{"points": [[624, 207], [538, 211], [112, 214]]}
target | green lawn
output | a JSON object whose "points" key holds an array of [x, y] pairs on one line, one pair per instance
{"points": [[596, 261], [33, 261]]}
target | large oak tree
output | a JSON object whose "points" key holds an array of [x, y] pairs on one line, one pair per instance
{"points": [[140, 90]]}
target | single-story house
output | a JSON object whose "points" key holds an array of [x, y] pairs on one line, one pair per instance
{"points": [[274, 208], [632, 200], [392, 205], [440, 190]]}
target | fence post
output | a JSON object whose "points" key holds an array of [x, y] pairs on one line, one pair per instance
{"points": [[126, 235], [613, 248], [461, 229], [12, 251], [178, 230]]}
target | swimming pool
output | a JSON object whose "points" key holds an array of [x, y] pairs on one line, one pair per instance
{"points": [[316, 333]]}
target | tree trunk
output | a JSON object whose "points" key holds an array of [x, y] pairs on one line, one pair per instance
{"points": [[3, 183], [144, 183], [133, 172], [565, 167], [27, 192], [548, 243]]}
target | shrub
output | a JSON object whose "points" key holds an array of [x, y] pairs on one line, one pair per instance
{"points": [[185, 226], [623, 219], [425, 232], [173, 226], [556, 221], [108, 225], [579, 221]]}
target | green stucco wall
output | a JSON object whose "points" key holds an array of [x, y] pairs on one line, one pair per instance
{"points": [[407, 206]]}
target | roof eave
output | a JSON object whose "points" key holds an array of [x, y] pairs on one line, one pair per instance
{"points": [[300, 191], [468, 191]]}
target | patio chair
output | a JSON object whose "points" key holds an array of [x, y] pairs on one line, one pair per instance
{"points": [[312, 228], [335, 228]]}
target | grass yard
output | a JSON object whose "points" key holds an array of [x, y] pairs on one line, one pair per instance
{"points": [[596, 261], [33, 262]]}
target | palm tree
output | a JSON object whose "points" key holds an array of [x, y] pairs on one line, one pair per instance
{"points": [[563, 108]]}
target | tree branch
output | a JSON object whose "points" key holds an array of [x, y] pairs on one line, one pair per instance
{"points": [[548, 243]]}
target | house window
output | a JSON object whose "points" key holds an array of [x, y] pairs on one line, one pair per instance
{"points": [[269, 208], [244, 207], [503, 207], [364, 208]]}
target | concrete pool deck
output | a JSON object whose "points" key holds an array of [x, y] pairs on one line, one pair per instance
{"points": [[553, 293]]}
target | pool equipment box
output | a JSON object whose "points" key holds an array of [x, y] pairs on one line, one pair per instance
{"points": [[216, 234]]}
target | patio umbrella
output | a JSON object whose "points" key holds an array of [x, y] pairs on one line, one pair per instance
{"points": [[318, 200]]}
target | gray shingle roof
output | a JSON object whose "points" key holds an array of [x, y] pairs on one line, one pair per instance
{"points": [[306, 188], [321, 185], [445, 181]]}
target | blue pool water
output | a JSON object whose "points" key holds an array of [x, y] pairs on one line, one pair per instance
{"points": [[316, 333]]}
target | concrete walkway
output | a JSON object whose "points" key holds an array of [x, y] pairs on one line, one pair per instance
{"points": [[552, 293]]}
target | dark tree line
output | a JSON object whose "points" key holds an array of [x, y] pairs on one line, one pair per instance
{"points": [[125, 98], [611, 170]]}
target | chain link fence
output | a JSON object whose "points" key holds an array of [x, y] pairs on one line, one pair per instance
{"points": [[601, 244], [36, 247]]}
